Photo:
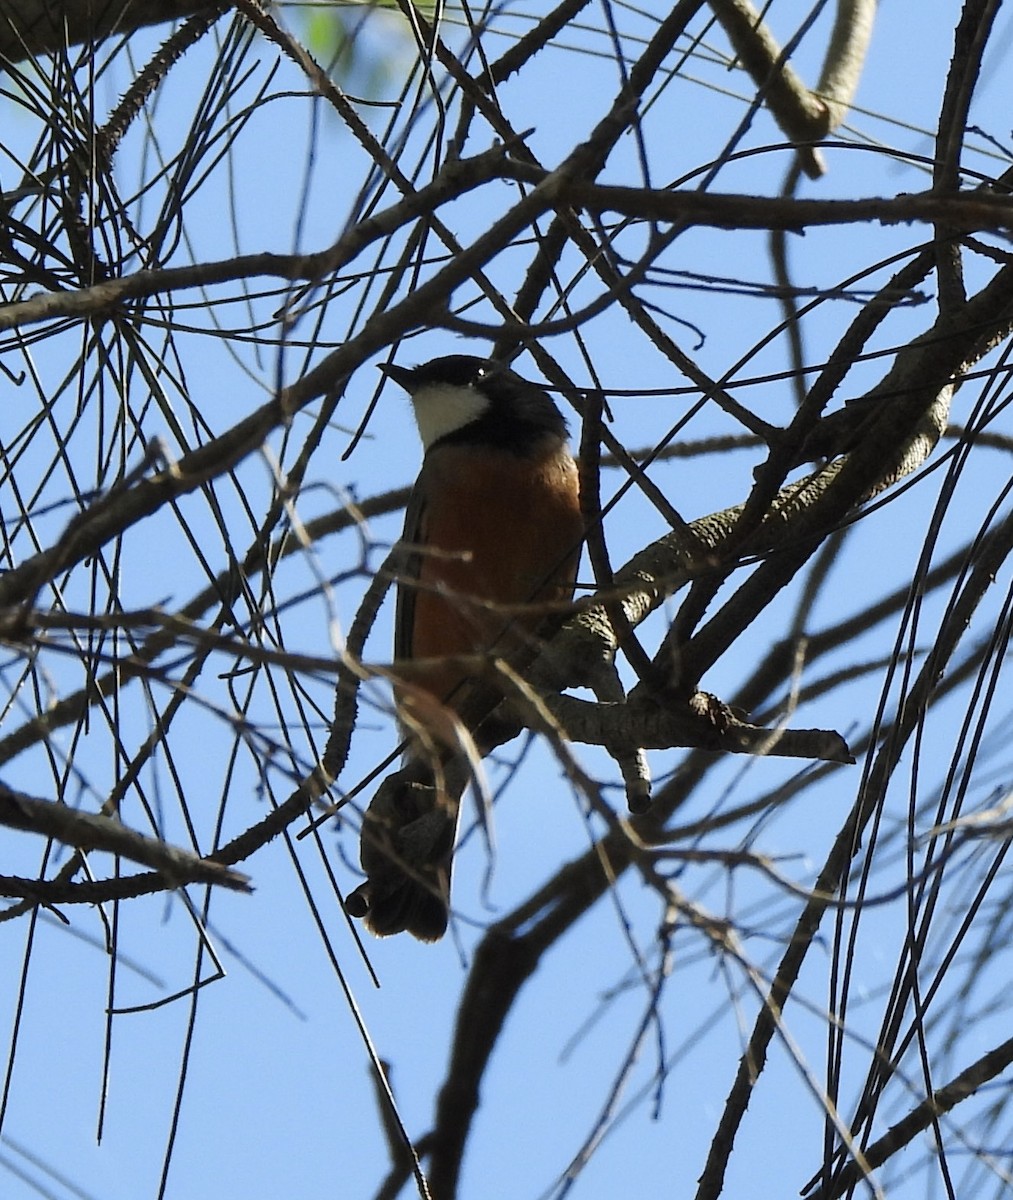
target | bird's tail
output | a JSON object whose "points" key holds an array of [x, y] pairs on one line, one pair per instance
{"points": [[406, 850]]}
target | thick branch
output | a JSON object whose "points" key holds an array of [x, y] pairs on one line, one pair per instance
{"points": [[964, 212], [29, 28], [92, 831], [653, 727]]}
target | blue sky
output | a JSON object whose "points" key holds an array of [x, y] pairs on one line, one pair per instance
{"points": [[278, 1098]]}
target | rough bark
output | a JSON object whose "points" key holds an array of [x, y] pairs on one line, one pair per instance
{"points": [[31, 28]]}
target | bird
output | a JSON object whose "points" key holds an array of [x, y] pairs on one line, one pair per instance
{"points": [[493, 525]]}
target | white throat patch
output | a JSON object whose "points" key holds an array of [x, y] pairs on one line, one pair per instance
{"points": [[442, 408]]}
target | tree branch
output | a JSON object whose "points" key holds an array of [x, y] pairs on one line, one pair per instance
{"points": [[93, 831]]}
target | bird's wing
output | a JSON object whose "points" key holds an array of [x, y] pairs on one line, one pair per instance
{"points": [[411, 537]]}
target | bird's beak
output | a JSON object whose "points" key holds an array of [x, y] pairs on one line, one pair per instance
{"points": [[404, 376]]}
